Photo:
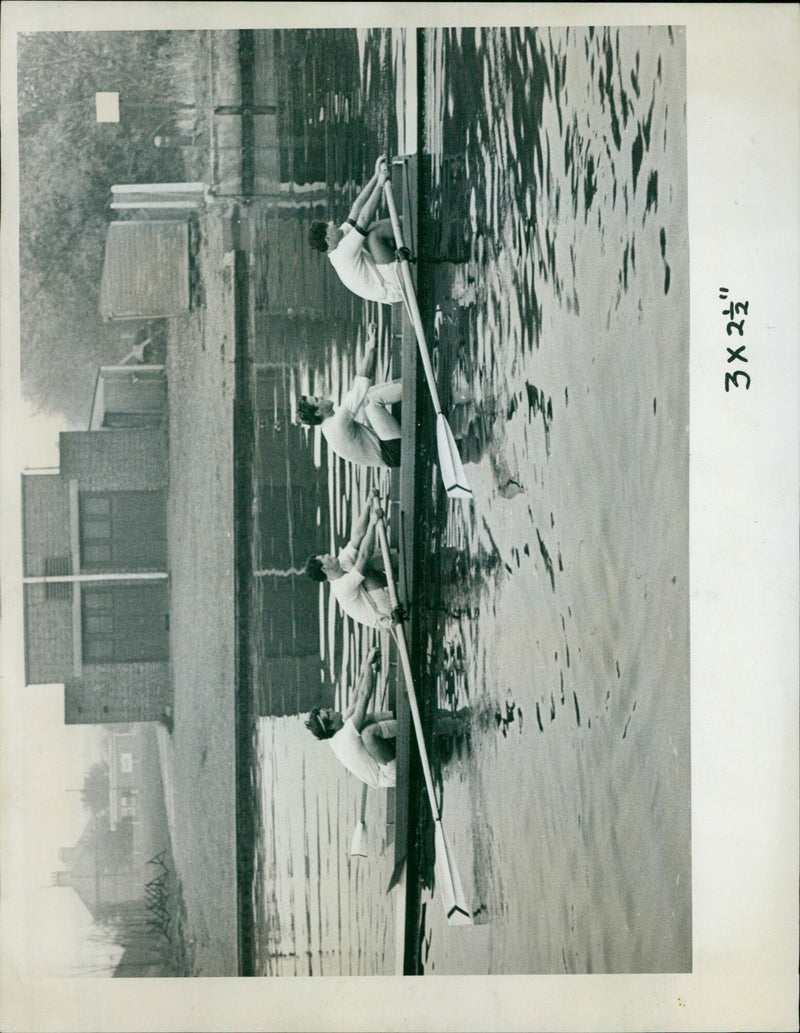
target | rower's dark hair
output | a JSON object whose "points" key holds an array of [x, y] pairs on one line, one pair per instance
{"points": [[314, 569], [308, 413], [316, 726], [316, 236]]}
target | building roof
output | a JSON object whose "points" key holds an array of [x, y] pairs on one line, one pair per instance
{"points": [[146, 270], [83, 872]]}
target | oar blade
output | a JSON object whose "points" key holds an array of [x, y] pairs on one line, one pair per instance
{"points": [[358, 848], [455, 903], [452, 470], [450, 465], [397, 874]]}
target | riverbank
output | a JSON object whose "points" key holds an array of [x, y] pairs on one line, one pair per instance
{"points": [[198, 753]]}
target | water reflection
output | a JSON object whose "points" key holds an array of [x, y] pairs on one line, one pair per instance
{"points": [[317, 910]]}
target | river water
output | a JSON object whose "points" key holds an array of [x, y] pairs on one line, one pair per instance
{"points": [[558, 185], [554, 281]]}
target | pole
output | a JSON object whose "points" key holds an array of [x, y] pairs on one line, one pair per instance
{"points": [[68, 579]]}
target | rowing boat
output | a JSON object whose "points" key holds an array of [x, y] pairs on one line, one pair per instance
{"points": [[402, 523], [406, 326]]}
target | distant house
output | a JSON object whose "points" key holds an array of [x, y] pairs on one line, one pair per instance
{"points": [[124, 775], [121, 866], [101, 869], [96, 578]]}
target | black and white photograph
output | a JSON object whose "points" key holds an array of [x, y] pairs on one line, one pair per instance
{"points": [[374, 600]]}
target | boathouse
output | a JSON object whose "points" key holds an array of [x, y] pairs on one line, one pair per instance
{"points": [[96, 581], [97, 558]]}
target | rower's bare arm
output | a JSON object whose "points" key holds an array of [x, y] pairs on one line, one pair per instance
{"points": [[367, 546], [360, 201], [367, 213], [359, 527], [368, 363], [377, 716], [366, 192], [366, 687]]}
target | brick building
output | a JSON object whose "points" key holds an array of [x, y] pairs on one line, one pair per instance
{"points": [[97, 561], [96, 579]]}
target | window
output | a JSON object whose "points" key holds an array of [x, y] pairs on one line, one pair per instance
{"points": [[97, 530], [96, 555], [123, 530], [99, 624], [96, 505], [98, 650], [127, 803], [125, 623]]}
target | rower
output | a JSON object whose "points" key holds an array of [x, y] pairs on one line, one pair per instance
{"points": [[356, 574], [362, 251], [363, 429], [364, 742]]}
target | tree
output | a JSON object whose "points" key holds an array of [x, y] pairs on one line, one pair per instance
{"points": [[68, 163], [96, 785]]}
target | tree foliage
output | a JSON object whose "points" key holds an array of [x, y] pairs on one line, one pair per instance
{"points": [[68, 163], [96, 786]]}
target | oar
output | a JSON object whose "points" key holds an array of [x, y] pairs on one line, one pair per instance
{"points": [[450, 466], [358, 848], [455, 904]]}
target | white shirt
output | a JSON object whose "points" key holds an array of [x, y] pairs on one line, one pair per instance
{"points": [[359, 272], [371, 608], [350, 750], [347, 435]]}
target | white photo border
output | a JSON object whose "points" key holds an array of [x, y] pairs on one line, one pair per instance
{"points": [[743, 123]]}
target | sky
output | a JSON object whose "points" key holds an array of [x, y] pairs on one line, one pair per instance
{"points": [[49, 763], [37, 442], [55, 758], [43, 766]]}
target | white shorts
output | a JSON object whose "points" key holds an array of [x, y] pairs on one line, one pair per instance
{"points": [[387, 778], [387, 773], [383, 607], [390, 274]]}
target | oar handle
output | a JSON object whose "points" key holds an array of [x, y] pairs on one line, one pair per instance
{"points": [[411, 298], [364, 794]]}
